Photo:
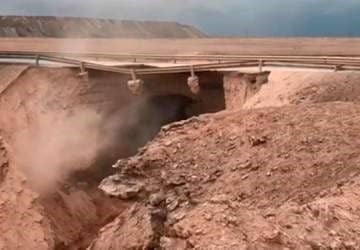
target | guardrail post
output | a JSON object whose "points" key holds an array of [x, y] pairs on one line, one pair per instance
{"points": [[261, 64], [325, 60], [83, 73], [37, 60]]}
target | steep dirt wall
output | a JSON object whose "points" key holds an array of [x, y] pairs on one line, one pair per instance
{"points": [[240, 87], [48, 137], [20, 209]]}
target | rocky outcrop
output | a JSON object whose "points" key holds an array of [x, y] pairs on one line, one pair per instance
{"points": [[61, 27]]}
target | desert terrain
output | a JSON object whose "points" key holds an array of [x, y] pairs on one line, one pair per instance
{"points": [[272, 164], [251, 160], [210, 46]]}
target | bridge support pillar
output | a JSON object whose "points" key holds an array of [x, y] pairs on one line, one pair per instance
{"points": [[136, 86], [193, 82]]}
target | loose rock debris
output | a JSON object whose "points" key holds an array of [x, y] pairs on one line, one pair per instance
{"points": [[256, 197]]}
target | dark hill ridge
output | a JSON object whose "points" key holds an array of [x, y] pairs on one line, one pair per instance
{"points": [[72, 27]]}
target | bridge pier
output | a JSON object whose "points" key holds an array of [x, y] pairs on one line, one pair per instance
{"points": [[193, 82]]}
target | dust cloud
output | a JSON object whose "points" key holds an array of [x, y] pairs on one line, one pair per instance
{"points": [[58, 145]]}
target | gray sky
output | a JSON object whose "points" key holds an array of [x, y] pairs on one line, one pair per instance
{"points": [[215, 17]]}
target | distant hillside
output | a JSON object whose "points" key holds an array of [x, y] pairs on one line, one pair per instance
{"points": [[61, 27]]}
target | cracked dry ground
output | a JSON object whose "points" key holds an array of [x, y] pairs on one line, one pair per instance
{"points": [[272, 178]]}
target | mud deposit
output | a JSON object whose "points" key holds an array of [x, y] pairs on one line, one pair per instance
{"points": [[255, 161]]}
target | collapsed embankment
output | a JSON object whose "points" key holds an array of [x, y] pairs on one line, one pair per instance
{"points": [[269, 177], [63, 133]]}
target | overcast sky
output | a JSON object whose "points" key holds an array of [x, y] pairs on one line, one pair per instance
{"points": [[215, 17]]}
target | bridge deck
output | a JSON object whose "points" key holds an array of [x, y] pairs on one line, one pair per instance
{"points": [[169, 64]]}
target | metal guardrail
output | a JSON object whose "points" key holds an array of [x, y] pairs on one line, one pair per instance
{"points": [[139, 57], [222, 62], [144, 57]]}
